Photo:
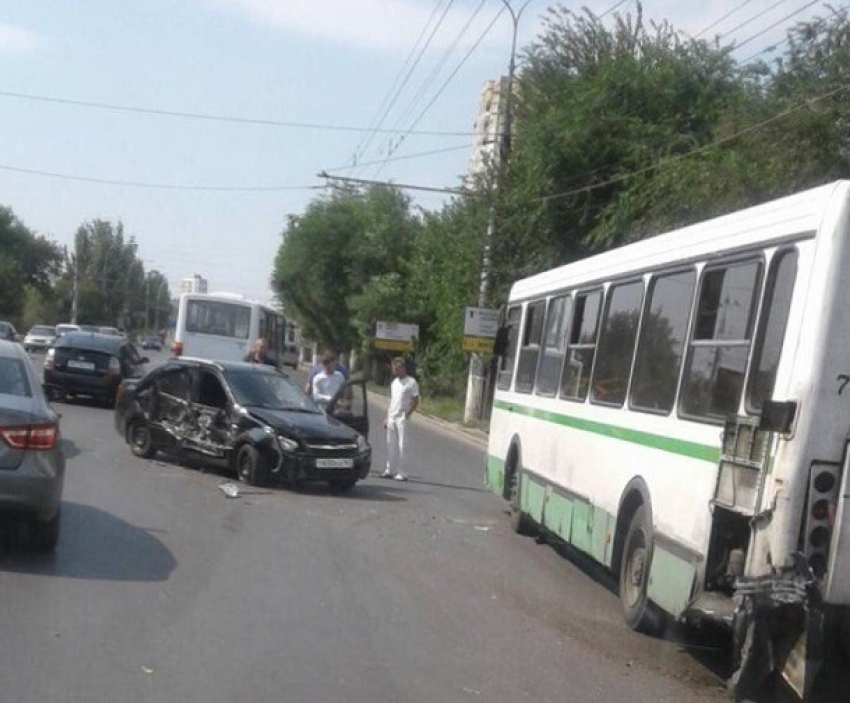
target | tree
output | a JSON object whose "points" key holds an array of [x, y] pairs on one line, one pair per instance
{"points": [[27, 260]]}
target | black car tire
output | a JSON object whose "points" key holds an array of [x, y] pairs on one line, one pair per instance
{"points": [[45, 535], [342, 485], [252, 467], [141, 441]]}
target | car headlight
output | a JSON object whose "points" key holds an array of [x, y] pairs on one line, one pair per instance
{"points": [[362, 444], [288, 445]]}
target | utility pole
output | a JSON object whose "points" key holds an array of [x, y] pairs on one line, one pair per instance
{"points": [[75, 299], [476, 386]]}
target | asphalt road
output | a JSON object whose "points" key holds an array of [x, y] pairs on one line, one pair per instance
{"points": [[163, 589]]}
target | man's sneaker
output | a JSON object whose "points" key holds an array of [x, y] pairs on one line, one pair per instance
{"points": [[387, 474], [400, 477]]}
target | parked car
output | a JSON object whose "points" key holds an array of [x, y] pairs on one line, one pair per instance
{"points": [[112, 331], [40, 338], [64, 328], [32, 463], [152, 341], [250, 418], [85, 363], [8, 331]]}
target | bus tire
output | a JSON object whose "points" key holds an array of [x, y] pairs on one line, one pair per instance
{"points": [[521, 523], [638, 612]]}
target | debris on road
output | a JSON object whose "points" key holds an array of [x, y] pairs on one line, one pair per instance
{"points": [[147, 669], [231, 490]]}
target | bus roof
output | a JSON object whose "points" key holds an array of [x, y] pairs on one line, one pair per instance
{"points": [[785, 218]]}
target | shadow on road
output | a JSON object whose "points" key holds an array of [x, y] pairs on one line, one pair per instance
{"points": [[69, 448], [93, 545]]}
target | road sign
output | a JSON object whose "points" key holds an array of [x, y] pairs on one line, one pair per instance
{"points": [[396, 336], [479, 330]]}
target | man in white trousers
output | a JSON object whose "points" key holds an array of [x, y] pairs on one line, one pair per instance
{"points": [[404, 397]]}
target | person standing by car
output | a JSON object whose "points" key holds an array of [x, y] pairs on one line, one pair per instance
{"points": [[259, 354], [317, 368], [328, 381], [404, 399]]}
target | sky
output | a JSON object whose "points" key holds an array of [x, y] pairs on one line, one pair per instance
{"points": [[294, 87]]}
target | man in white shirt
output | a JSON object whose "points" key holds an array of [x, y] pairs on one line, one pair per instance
{"points": [[327, 382], [404, 397]]}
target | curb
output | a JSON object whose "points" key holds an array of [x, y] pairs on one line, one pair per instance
{"points": [[480, 437]]}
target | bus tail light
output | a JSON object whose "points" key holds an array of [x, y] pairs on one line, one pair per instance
{"points": [[177, 348], [820, 515]]}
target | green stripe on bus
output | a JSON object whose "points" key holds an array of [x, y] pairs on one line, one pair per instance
{"points": [[693, 450]]}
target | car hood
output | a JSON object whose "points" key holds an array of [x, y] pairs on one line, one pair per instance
{"points": [[304, 425]]}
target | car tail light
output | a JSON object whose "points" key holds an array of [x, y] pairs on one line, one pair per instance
{"points": [[34, 437], [50, 360], [177, 348], [114, 368], [820, 515]]}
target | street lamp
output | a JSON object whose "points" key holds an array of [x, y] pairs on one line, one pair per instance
{"points": [[477, 382]]}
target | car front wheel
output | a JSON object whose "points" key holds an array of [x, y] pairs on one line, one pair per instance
{"points": [[252, 467], [141, 441]]}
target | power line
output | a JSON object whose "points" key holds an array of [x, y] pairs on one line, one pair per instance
{"points": [[235, 119], [410, 71], [403, 186], [435, 71], [612, 8], [773, 47], [725, 17], [404, 157], [776, 24], [754, 17], [151, 186], [411, 128]]}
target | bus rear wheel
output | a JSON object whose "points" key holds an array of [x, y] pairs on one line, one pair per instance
{"points": [[638, 612]]}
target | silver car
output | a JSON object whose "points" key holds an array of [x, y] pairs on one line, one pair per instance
{"points": [[40, 338], [32, 463]]}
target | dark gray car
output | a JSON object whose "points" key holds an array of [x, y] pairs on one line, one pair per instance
{"points": [[32, 464]]}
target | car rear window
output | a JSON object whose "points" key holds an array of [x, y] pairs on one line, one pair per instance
{"points": [[13, 378], [42, 329]]}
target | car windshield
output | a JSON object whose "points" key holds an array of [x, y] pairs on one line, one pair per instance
{"points": [[13, 378], [269, 390], [43, 330]]}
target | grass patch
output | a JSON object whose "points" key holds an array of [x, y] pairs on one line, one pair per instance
{"points": [[447, 408]]}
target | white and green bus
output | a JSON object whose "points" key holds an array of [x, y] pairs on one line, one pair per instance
{"points": [[679, 410]]}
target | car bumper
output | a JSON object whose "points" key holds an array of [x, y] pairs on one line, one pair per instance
{"points": [[35, 487], [303, 467], [100, 386]]}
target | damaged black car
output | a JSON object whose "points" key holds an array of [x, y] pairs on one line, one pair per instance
{"points": [[248, 418]]}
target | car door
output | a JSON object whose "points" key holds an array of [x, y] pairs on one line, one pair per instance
{"points": [[170, 413], [210, 411], [350, 405]]}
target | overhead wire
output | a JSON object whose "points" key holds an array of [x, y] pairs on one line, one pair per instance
{"points": [[773, 47], [235, 119], [722, 19], [439, 92], [409, 73], [777, 23], [405, 157], [381, 112], [613, 7], [752, 19], [153, 186]]}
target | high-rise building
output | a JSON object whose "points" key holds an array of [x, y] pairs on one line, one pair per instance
{"points": [[193, 284], [487, 143]]}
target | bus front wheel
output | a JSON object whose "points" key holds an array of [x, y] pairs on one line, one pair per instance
{"points": [[634, 575], [521, 523]]}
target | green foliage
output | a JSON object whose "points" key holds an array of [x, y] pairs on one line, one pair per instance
{"points": [[27, 260]]}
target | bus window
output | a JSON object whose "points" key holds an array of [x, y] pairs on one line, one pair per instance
{"points": [[717, 357], [218, 318], [617, 343], [769, 346], [575, 377], [506, 362], [662, 342], [530, 350], [554, 345]]}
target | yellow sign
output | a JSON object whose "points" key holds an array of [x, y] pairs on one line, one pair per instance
{"points": [[402, 345], [478, 345]]}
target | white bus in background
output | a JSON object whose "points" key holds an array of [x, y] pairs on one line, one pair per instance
{"points": [[224, 326], [679, 410]]}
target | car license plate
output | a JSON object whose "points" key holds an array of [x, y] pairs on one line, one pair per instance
{"points": [[334, 463], [85, 365]]}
